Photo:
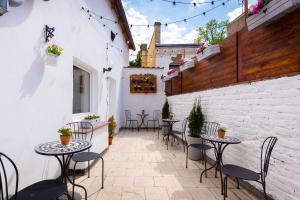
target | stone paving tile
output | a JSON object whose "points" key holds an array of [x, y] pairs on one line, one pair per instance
{"points": [[139, 167]]}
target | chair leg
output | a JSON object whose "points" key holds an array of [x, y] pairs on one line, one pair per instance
{"points": [[88, 169], [126, 124], [102, 172], [205, 164], [225, 187], [187, 155], [265, 192], [238, 183]]}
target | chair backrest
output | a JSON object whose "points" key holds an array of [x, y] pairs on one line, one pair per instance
{"points": [[156, 115], [184, 125], [128, 114], [81, 130], [266, 151], [4, 191], [210, 128]]}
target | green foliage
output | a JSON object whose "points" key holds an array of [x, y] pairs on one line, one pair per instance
{"points": [[92, 117], [54, 49], [111, 126], [166, 110], [213, 33], [223, 129], [137, 61], [65, 131], [196, 119]]}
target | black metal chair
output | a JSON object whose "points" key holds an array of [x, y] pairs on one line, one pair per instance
{"points": [[130, 120], [208, 128], [155, 119], [249, 175], [80, 130], [46, 189], [179, 134]]}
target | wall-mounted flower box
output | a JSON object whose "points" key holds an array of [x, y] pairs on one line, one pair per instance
{"points": [[187, 65], [170, 76], [209, 52], [274, 10], [143, 83]]}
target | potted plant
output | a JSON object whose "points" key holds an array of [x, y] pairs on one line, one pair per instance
{"points": [[65, 135], [196, 121], [165, 115], [221, 132], [54, 50], [111, 129]]}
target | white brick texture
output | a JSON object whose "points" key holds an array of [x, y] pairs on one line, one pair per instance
{"points": [[253, 112]]}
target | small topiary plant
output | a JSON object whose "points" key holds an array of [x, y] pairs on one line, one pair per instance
{"points": [[166, 110], [111, 126], [196, 119], [65, 131]]}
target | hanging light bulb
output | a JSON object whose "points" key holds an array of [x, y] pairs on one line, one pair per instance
{"points": [[195, 4], [212, 3], [174, 3]]}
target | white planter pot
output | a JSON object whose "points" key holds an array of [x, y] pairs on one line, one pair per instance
{"points": [[51, 59], [187, 65], [272, 12], [209, 52], [194, 154], [94, 122]]}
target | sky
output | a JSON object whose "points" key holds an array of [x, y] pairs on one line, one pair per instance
{"points": [[150, 11]]}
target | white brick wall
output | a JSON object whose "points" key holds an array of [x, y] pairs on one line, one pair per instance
{"points": [[252, 112]]}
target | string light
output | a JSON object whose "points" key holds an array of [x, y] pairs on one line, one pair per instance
{"points": [[177, 21], [189, 3]]}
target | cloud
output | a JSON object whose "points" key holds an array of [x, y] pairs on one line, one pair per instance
{"points": [[171, 34], [124, 3], [235, 13], [175, 34]]}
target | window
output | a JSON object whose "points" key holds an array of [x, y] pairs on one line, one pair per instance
{"points": [[81, 91]]}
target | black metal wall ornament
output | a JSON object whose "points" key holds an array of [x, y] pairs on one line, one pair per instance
{"points": [[112, 36], [49, 33]]}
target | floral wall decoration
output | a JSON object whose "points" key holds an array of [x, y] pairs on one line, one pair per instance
{"points": [[143, 83]]}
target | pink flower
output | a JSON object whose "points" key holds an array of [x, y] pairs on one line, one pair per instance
{"points": [[255, 9], [259, 2]]}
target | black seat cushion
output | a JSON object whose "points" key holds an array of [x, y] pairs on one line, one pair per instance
{"points": [[201, 146], [85, 156], [240, 172], [43, 190]]}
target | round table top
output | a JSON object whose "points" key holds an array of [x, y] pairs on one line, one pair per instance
{"points": [[170, 120], [56, 148], [226, 139]]}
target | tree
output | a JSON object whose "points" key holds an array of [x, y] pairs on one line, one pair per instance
{"points": [[214, 32], [196, 119], [166, 110], [137, 61]]}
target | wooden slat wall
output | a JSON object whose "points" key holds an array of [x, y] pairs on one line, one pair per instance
{"points": [[267, 52]]}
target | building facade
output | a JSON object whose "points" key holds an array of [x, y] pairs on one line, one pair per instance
{"points": [[44, 93]]}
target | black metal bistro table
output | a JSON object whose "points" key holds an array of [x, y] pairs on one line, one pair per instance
{"points": [[142, 116], [63, 153], [219, 145], [170, 122]]}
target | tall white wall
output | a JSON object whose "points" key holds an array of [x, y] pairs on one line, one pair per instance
{"points": [[138, 102], [36, 97], [253, 112]]}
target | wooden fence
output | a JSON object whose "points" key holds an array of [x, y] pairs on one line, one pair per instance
{"points": [[266, 52]]}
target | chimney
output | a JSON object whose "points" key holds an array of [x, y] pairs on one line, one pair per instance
{"points": [[157, 26], [143, 48]]}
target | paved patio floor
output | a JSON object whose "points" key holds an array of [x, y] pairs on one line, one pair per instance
{"points": [[138, 166]]}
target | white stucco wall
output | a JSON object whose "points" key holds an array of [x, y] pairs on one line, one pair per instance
{"points": [[253, 112], [138, 102], [36, 97]]}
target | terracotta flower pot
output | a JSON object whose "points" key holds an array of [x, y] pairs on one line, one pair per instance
{"points": [[65, 140], [110, 139], [221, 134]]}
